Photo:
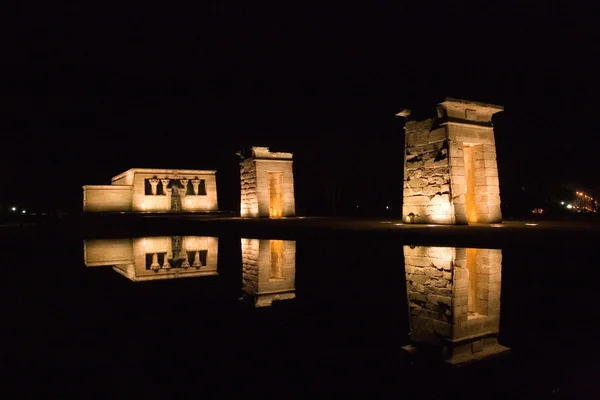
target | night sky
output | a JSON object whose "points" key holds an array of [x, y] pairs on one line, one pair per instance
{"points": [[89, 92]]}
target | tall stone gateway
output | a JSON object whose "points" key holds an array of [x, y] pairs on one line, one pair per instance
{"points": [[267, 182], [454, 302], [450, 170]]}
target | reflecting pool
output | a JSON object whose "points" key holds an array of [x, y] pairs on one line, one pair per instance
{"points": [[174, 316]]}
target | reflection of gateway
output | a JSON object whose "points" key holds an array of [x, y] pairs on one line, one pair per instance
{"points": [[269, 270], [155, 258], [454, 301]]}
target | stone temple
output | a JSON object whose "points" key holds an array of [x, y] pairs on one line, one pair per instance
{"points": [[154, 190], [450, 170], [454, 302], [267, 184]]}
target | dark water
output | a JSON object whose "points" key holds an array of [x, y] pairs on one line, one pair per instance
{"points": [[68, 328]]}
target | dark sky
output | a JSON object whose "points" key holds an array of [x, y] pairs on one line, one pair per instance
{"points": [[88, 92]]}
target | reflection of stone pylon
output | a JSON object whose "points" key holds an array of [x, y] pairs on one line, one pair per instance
{"points": [[197, 262], [155, 266], [185, 263]]}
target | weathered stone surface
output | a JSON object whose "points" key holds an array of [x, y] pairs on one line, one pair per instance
{"points": [[441, 151]]}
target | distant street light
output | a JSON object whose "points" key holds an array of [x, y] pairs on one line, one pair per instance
{"points": [[14, 209], [23, 212]]}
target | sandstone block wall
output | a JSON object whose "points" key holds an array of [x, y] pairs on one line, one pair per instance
{"points": [[105, 198], [454, 300], [102, 252], [487, 285], [429, 287], [249, 200], [486, 188], [427, 174], [250, 248]]}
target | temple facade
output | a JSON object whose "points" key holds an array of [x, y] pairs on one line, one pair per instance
{"points": [[154, 190], [454, 302], [268, 270], [155, 258], [450, 169], [267, 184]]}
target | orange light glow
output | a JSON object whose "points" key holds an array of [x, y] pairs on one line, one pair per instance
{"points": [[470, 193], [275, 195]]}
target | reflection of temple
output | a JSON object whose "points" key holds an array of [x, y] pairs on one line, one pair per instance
{"points": [[454, 301], [155, 258], [269, 270]]}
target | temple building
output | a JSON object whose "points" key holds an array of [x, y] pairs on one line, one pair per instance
{"points": [[454, 302], [154, 190], [268, 270], [155, 258], [267, 184], [450, 170]]}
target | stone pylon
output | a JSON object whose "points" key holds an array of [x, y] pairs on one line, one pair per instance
{"points": [[267, 184], [450, 169]]}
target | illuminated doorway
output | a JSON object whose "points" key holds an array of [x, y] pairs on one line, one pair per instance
{"points": [[275, 194], [469, 155], [276, 260]]}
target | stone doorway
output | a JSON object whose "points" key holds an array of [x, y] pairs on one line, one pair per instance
{"points": [[476, 198], [470, 190], [275, 194]]}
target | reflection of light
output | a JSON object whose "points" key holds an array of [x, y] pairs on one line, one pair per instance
{"points": [[399, 224], [569, 206], [531, 224], [385, 222], [497, 226], [431, 225]]}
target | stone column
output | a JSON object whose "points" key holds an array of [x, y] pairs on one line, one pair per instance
{"points": [[166, 264], [197, 262], [182, 192], [196, 184], [165, 183], [185, 263], [154, 184], [155, 266], [184, 183]]}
